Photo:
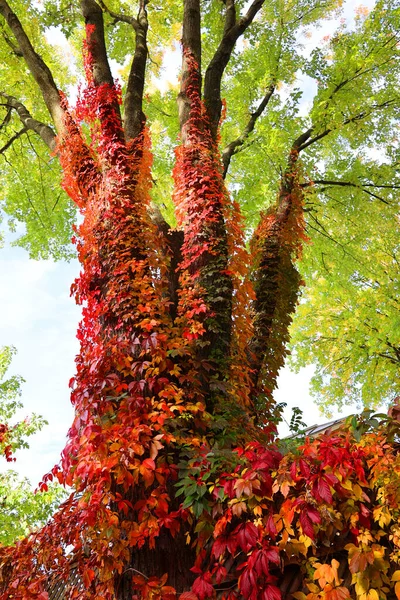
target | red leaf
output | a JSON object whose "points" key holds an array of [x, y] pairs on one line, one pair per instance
{"points": [[270, 526], [306, 524], [88, 577], [304, 468], [272, 554], [247, 535], [324, 490], [313, 514], [149, 464], [220, 545], [202, 587], [248, 584], [271, 592], [220, 573]]}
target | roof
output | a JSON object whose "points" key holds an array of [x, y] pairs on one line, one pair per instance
{"points": [[59, 590]]}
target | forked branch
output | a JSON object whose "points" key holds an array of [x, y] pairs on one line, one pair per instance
{"points": [[307, 135], [236, 144], [215, 70], [13, 139], [329, 183], [119, 17], [44, 131]]}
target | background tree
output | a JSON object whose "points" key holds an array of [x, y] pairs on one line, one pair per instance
{"points": [[21, 509], [185, 327]]}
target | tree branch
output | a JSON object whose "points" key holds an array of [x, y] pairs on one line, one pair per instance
{"points": [[348, 184], [235, 145], [277, 241], [362, 115], [93, 15], [363, 185], [12, 139], [230, 15], [7, 118], [11, 44], [119, 16], [85, 169], [134, 116], [191, 42], [36, 65], [216, 68], [44, 131]]}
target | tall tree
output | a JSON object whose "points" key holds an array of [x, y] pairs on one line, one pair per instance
{"points": [[177, 485]]}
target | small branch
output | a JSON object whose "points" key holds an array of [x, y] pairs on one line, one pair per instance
{"points": [[235, 145], [119, 16], [135, 571], [7, 118], [348, 184], [217, 66], [354, 119], [12, 139], [44, 131], [11, 44], [55, 203], [375, 185], [18, 176]]}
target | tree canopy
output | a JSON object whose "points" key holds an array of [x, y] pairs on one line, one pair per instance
{"points": [[197, 201]]}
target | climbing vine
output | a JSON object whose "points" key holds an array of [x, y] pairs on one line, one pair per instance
{"points": [[173, 442]]}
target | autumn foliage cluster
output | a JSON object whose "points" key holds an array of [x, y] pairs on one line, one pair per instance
{"points": [[171, 455]]}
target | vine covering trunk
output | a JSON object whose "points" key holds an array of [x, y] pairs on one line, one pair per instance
{"points": [[178, 487]]}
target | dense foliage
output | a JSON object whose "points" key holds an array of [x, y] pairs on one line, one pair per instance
{"points": [[179, 486]]}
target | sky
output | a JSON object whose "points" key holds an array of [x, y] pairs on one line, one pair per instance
{"points": [[39, 318]]}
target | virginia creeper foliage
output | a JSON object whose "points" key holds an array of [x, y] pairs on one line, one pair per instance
{"points": [[179, 486]]}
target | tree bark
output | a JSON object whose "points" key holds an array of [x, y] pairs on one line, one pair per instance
{"points": [[191, 59], [134, 116]]}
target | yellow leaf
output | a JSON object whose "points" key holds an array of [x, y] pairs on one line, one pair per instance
{"points": [[357, 491], [397, 590], [373, 595], [313, 588], [347, 485], [396, 576], [299, 596]]}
